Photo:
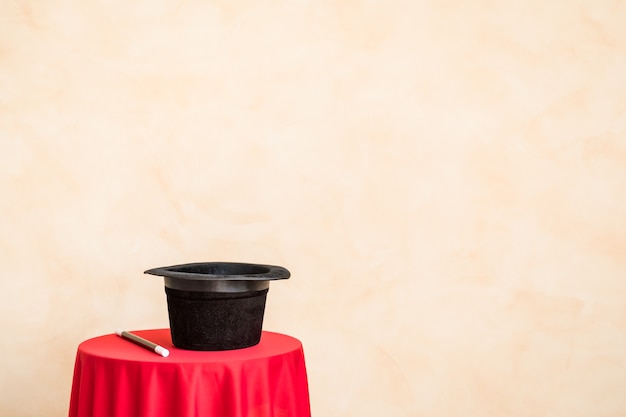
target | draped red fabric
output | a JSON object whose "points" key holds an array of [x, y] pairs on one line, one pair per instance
{"points": [[116, 378]]}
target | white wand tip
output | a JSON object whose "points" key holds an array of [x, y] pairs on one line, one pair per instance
{"points": [[162, 351]]}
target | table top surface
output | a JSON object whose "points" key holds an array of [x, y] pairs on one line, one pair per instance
{"points": [[114, 347]]}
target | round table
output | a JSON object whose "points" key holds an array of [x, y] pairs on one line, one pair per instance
{"points": [[116, 378]]}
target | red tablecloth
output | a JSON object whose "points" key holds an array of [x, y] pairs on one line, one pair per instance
{"points": [[116, 378]]}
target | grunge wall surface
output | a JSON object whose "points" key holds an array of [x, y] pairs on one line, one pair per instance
{"points": [[446, 181]]}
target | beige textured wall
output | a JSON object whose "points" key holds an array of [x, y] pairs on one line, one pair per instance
{"points": [[446, 180]]}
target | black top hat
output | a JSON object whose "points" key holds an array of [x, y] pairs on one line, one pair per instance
{"points": [[217, 305]]}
